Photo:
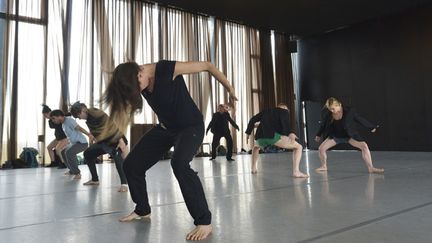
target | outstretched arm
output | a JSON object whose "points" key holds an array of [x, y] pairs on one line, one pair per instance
{"points": [[210, 125], [367, 124], [89, 135], [325, 115], [196, 67], [232, 121]]}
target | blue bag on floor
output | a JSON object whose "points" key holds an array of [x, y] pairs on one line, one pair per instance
{"points": [[29, 156]]}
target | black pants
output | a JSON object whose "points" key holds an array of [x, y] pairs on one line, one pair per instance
{"points": [[97, 149], [216, 140], [150, 149]]}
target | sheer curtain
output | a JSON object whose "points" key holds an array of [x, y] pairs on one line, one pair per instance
{"points": [[185, 37], [23, 74], [268, 98], [100, 39], [7, 81], [72, 55], [55, 62], [81, 64], [236, 54], [146, 47], [284, 74]]}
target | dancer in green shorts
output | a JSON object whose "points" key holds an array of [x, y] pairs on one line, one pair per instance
{"points": [[274, 129]]}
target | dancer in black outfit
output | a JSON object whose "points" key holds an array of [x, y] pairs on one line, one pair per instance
{"points": [[181, 125], [59, 143], [219, 127], [338, 125], [114, 143]]}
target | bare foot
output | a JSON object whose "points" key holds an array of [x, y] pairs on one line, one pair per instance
{"points": [[321, 168], [376, 170], [298, 174], [77, 177], [254, 169], [133, 216], [91, 183], [123, 188], [200, 232]]}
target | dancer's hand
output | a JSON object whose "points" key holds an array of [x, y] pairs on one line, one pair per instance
{"points": [[317, 139], [232, 98], [92, 138], [121, 144], [123, 148]]}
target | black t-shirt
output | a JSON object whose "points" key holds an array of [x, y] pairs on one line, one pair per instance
{"points": [[337, 129], [58, 130], [170, 99]]}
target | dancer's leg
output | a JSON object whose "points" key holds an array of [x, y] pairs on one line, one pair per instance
{"points": [[287, 143], [322, 150], [366, 155]]}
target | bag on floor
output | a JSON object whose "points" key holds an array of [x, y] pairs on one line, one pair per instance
{"points": [[7, 165], [14, 164], [221, 150], [29, 156]]}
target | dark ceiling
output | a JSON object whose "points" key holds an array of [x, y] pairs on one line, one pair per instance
{"points": [[298, 17]]}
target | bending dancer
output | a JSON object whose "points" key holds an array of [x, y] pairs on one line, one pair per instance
{"points": [[219, 127], [181, 125], [59, 143], [113, 143], [275, 129], [337, 127], [78, 142]]}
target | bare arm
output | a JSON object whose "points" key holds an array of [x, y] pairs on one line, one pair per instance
{"points": [[89, 135], [196, 67]]}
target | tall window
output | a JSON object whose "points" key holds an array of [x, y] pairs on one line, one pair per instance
{"points": [[23, 74], [256, 72], [31, 66], [146, 47], [237, 55], [72, 54]]}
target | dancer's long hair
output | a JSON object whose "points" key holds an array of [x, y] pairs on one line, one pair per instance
{"points": [[123, 96]]}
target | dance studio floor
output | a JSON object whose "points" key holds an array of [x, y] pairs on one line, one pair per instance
{"points": [[346, 204]]}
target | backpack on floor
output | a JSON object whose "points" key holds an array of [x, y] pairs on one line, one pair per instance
{"points": [[29, 156], [221, 150]]}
